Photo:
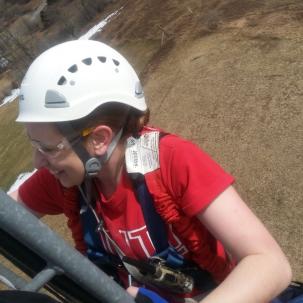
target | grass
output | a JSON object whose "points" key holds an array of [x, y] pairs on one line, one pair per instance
{"points": [[15, 151]]}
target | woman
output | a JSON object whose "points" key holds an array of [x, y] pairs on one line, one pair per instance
{"points": [[85, 114]]}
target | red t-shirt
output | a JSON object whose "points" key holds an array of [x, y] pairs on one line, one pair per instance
{"points": [[192, 177]]}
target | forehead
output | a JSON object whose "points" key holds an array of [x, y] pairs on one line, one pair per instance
{"points": [[44, 132]]}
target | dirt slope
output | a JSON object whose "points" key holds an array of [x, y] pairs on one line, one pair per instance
{"points": [[227, 74]]}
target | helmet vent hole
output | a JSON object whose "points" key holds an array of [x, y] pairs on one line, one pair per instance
{"points": [[87, 61], [73, 68], [102, 59], [116, 62], [62, 81]]}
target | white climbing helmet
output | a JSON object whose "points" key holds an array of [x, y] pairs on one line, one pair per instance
{"points": [[70, 80]]}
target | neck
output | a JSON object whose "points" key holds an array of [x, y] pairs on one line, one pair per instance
{"points": [[111, 172]]}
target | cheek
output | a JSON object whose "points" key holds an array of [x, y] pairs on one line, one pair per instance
{"points": [[72, 171], [39, 160], [76, 171]]}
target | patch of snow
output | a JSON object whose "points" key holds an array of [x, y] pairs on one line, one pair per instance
{"points": [[36, 13], [13, 96], [89, 34], [99, 27]]}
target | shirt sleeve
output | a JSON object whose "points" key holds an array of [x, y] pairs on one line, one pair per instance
{"points": [[42, 193], [193, 178]]}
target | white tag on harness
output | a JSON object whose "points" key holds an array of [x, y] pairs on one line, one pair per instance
{"points": [[142, 154]]}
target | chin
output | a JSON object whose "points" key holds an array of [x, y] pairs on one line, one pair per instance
{"points": [[68, 182], [67, 185]]}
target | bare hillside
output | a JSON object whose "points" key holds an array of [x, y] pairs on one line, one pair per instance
{"points": [[228, 75]]}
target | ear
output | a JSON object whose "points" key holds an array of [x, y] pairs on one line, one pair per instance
{"points": [[100, 139]]}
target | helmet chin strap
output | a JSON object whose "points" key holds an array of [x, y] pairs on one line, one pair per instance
{"points": [[92, 165]]}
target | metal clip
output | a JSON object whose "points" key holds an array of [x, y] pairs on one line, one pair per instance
{"points": [[99, 227]]}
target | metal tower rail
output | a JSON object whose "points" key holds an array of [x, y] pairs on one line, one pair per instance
{"points": [[60, 258]]}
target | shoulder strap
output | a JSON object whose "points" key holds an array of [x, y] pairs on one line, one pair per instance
{"points": [[153, 221], [156, 225], [292, 294]]}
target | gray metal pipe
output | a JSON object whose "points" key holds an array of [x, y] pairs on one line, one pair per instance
{"points": [[26, 228], [41, 279]]}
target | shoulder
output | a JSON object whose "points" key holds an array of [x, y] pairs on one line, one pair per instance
{"points": [[42, 193], [192, 177], [173, 143], [169, 141], [177, 150], [41, 177]]}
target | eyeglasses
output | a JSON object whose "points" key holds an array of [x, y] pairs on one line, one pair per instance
{"points": [[54, 151], [48, 150]]}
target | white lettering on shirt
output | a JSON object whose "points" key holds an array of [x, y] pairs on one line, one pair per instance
{"points": [[140, 242], [140, 237]]}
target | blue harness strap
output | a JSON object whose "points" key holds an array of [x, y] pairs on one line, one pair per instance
{"points": [[156, 229], [95, 251], [153, 221], [155, 226], [292, 294], [159, 236], [95, 248]]}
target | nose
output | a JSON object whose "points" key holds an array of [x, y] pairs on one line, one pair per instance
{"points": [[39, 159]]}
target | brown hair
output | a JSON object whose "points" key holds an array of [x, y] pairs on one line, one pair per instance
{"points": [[115, 115]]}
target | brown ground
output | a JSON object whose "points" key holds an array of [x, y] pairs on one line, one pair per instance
{"points": [[229, 77], [227, 74]]}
